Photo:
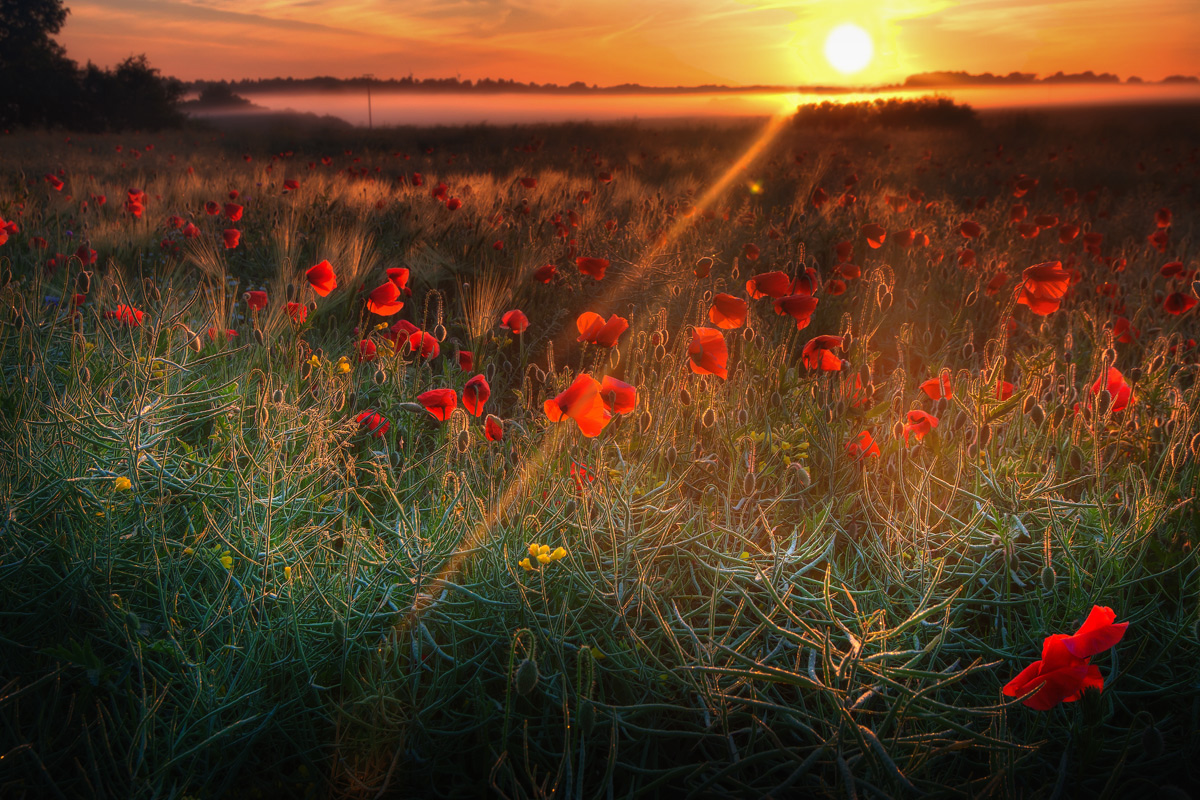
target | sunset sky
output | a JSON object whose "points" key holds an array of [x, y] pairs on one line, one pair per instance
{"points": [[653, 42]]}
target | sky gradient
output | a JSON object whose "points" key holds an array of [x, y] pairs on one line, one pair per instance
{"points": [[652, 42]]}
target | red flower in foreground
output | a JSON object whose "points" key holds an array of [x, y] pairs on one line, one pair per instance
{"points": [[1178, 303], [708, 354], [233, 211], [862, 446], [938, 388], [1120, 391], [618, 397], [493, 428], [875, 235], [593, 329], [545, 274], [212, 208], [818, 353], [384, 299], [232, 237], [581, 402], [367, 351], [418, 341], [919, 424], [1065, 671], [466, 360], [769, 284], [128, 314], [515, 321], [298, 312], [595, 267], [373, 423], [475, 394], [321, 278], [399, 276], [799, 307], [256, 299], [728, 312], [439, 402], [1044, 287]]}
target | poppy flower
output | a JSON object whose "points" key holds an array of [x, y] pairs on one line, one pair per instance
{"points": [[466, 360], [55, 183], [919, 424], [605, 177], [805, 283], [493, 428], [545, 274], [475, 394], [1123, 331], [1067, 232], [970, 229], [1172, 269], [593, 329], [769, 284], [1018, 212], [966, 258], [750, 251], [290, 185], [399, 276], [190, 231], [215, 334], [1120, 391], [233, 211], [384, 300], [904, 237], [1044, 221], [818, 353], [1092, 242], [862, 446], [844, 250], [819, 198], [848, 271], [86, 255], [1178, 303], [938, 388], [799, 307], [374, 423], [422, 343], [1159, 240], [256, 300], [212, 208], [439, 402], [995, 284], [1004, 389], [232, 236], [728, 312], [1162, 218], [298, 312], [1065, 671], [529, 183], [1043, 287], [708, 354], [595, 267], [127, 314], [581, 402], [618, 397], [515, 321], [321, 278], [454, 204], [874, 234], [367, 351]]}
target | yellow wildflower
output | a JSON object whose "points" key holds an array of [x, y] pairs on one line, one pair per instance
{"points": [[122, 484], [524, 562], [227, 560], [314, 361], [543, 558], [558, 553], [343, 365], [287, 573]]}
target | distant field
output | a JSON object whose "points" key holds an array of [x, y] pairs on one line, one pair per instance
{"points": [[804, 441]]}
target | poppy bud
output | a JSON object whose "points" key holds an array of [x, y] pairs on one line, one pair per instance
{"points": [[885, 301], [743, 416], [660, 353], [380, 377], [646, 421], [671, 456], [83, 282], [1048, 578], [1104, 401], [710, 417], [968, 350], [277, 396], [697, 427], [351, 397], [305, 368], [985, 435], [1135, 374], [1036, 415], [685, 397], [898, 429], [1028, 405], [5, 278], [312, 305], [1075, 460], [539, 374], [339, 401], [776, 400], [748, 484], [569, 508], [258, 336], [464, 441], [339, 630], [527, 677], [800, 475], [85, 375], [1067, 356], [291, 293]]}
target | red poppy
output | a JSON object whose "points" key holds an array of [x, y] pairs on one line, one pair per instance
{"points": [[373, 423], [515, 321], [996, 284], [1162, 218], [605, 177], [593, 329], [86, 254], [454, 204], [966, 258], [367, 351], [818, 353], [385, 300], [298, 312], [769, 284], [233, 211], [55, 183], [938, 388], [215, 333], [422, 343], [708, 354], [1123, 331], [799, 307], [1004, 389], [862, 446], [1018, 212], [595, 267], [1067, 232], [212, 208], [875, 235], [128, 314], [475, 394], [1172, 269], [848, 271], [581, 402], [399, 276], [439, 402], [904, 237], [290, 185], [728, 312], [1065, 671], [529, 183], [190, 231], [466, 360], [232, 236], [399, 332], [256, 300], [1120, 391], [545, 274], [1159, 240], [844, 250], [750, 251], [493, 428], [321, 278], [919, 423], [1044, 287], [970, 229], [819, 198], [1178, 303], [1044, 221], [618, 397], [1092, 242]]}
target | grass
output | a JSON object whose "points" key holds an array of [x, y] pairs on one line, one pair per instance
{"points": [[743, 608]]}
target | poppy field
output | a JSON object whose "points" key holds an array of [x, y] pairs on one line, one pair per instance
{"points": [[601, 461]]}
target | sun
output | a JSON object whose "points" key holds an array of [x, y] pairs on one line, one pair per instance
{"points": [[849, 49]]}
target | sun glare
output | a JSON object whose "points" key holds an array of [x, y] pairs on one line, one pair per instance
{"points": [[849, 49]]}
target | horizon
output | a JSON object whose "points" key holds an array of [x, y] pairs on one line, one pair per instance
{"points": [[615, 42]]}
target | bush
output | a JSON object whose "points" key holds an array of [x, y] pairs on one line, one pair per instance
{"points": [[923, 112]]}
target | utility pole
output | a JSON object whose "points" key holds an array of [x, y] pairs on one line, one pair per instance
{"points": [[370, 76]]}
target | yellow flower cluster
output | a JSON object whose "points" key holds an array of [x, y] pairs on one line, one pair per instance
{"points": [[122, 484], [540, 555]]}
